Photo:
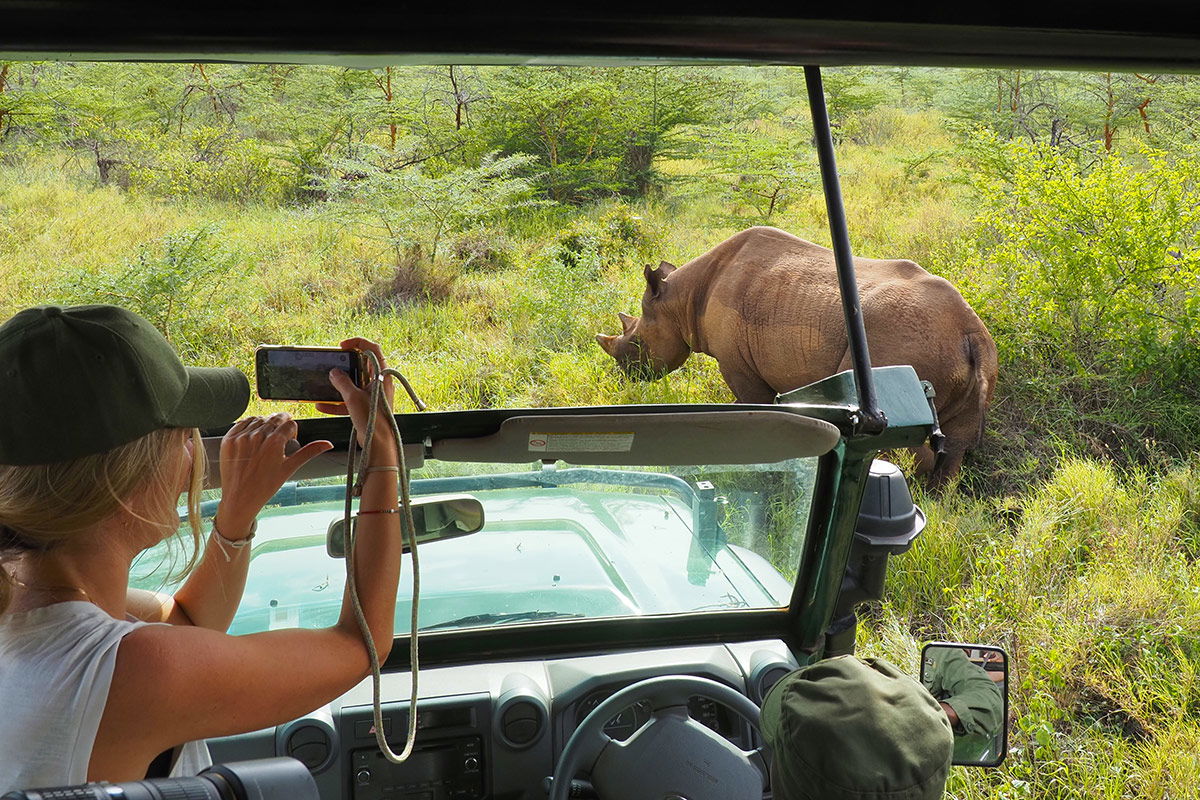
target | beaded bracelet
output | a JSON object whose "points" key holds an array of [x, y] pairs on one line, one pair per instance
{"points": [[237, 544]]}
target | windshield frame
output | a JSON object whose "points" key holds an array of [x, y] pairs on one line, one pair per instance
{"points": [[840, 478]]}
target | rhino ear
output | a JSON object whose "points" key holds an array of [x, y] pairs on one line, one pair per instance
{"points": [[609, 343], [655, 278], [627, 322]]}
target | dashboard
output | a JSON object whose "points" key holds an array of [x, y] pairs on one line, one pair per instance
{"points": [[496, 730]]}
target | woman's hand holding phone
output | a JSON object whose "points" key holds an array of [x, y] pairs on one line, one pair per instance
{"points": [[356, 402], [254, 457]]}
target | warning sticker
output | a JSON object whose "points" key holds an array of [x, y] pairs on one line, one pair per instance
{"points": [[581, 442]]}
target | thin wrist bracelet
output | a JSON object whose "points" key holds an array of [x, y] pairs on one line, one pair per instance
{"points": [[380, 511], [392, 468], [237, 544]]}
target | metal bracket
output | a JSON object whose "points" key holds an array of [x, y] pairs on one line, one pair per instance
{"points": [[937, 440]]}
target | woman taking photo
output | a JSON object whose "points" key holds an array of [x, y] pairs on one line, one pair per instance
{"points": [[99, 440]]}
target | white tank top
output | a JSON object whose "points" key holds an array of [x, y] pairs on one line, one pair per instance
{"points": [[56, 664]]}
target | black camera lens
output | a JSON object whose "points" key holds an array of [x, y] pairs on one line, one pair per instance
{"points": [[156, 789], [266, 779]]}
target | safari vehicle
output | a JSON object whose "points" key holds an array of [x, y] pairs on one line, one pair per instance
{"points": [[589, 549], [618, 544]]}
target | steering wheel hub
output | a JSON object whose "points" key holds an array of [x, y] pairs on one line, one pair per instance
{"points": [[672, 757]]}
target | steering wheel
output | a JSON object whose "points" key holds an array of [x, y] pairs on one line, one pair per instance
{"points": [[672, 755]]}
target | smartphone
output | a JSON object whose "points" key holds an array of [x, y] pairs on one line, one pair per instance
{"points": [[302, 373]]}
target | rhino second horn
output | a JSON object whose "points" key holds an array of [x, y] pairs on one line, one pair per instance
{"points": [[627, 321]]}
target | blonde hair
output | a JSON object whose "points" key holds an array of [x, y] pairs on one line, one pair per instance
{"points": [[43, 505]]}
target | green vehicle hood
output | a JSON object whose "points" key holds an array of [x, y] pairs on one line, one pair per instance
{"points": [[575, 552]]}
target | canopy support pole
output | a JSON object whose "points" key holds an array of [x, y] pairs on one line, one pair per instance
{"points": [[872, 419]]}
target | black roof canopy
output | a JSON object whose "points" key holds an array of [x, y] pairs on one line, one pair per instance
{"points": [[1153, 35]]}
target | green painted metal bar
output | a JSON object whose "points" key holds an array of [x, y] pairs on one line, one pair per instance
{"points": [[873, 420]]}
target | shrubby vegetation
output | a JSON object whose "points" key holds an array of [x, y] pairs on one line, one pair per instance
{"points": [[1086, 265], [182, 284], [484, 223], [1090, 585]]}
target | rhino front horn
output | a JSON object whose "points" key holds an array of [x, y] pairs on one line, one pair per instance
{"points": [[609, 343]]}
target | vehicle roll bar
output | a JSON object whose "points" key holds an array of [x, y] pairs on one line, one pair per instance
{"points": [[873, 420]]}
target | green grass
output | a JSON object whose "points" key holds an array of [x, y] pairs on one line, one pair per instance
{"points": [[1089, 581]]}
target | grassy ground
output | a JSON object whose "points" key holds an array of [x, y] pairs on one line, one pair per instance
{"points": [[1089, 580], [1088, 577]]}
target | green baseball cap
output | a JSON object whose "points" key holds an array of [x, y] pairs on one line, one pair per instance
{"points": [[847, 729], [85, 379]]}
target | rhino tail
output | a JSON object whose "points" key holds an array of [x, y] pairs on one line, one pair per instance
{"points": [[983, 361]]}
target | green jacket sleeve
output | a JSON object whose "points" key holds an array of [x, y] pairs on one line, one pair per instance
{"points": [[972, 694]]}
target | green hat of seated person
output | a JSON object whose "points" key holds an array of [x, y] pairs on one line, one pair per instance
{"points": [[82, 380], [848, 729]]}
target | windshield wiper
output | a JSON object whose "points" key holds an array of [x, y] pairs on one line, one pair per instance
{"points": [[493, 619]]}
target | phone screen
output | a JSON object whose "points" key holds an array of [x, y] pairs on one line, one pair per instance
{"points": [[286, 373]]}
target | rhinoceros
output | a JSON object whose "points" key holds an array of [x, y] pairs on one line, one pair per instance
{"points": [[766, 305]]}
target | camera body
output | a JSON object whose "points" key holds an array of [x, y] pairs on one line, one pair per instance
{"points": [[302, 373]]}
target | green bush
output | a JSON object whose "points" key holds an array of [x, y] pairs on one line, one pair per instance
{"points": [[1099, 260], [1085, 271], [618, 238], [182, 285], [206, 162], [483, 250]]}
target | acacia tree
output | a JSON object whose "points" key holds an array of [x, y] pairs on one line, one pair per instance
{"points": [[1035, 105], [657, 107], [762, 172], [22, 98], [1124, 101], [566, 120], [411, 210], [601, 131], [5, 108]]}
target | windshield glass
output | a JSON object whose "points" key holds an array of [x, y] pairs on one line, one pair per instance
{"points": [[559, 541]]}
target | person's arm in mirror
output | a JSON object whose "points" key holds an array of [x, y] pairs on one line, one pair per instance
{"points": [[972, 701], [951, 715]]}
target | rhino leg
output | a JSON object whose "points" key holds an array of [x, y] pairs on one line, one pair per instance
{"points": [[961, 433], [926, 460], [746, 385], [947, 469]]}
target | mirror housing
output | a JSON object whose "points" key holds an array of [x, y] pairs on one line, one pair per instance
{"points": [[436, 517], [970, 681]]}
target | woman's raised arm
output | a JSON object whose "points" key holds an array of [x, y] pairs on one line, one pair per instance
{"points": [[175, 683]]}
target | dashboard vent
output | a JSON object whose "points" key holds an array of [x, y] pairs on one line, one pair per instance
{"points": [[770, 677], [310, 745], [767, 667], [521, 723]]}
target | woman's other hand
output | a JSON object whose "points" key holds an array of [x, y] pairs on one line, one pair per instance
{"points": [[254, 464]]}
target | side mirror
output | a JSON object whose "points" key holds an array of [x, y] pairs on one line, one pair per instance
{"points": [[436, 517], [971, 683]]}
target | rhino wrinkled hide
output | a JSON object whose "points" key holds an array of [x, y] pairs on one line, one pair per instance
{"points": [[766, 305]]}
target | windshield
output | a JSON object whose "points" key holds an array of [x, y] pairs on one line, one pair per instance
{"points": [[559, 541]]}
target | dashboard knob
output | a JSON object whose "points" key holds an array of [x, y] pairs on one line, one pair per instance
{"points": [[362, 777], [471, 763]]}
